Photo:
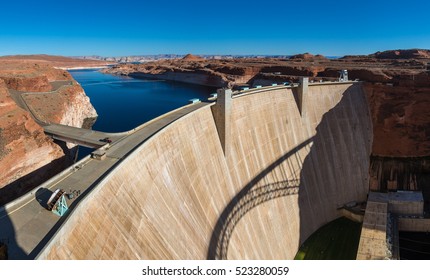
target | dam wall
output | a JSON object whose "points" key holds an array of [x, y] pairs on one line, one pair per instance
{"points": [[178, 196]]}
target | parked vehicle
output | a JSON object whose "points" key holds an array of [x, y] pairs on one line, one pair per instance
{"points": [[106, 140]]}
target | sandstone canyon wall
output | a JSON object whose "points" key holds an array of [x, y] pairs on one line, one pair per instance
{"points": [[401, 147], [27, 156], [24, 147]]}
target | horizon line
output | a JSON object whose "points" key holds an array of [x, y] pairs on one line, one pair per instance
{"points": [[213, 54]]}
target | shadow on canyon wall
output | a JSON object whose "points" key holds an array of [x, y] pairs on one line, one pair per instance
{"points": [[20, 187], [316, 164], [28, 182], [35, 178]]}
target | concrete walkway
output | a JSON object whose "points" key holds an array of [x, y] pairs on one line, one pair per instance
{"points": [[26, 226]]}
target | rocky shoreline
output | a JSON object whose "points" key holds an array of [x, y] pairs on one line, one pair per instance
{"points": [[397, 84], [405, 68]]}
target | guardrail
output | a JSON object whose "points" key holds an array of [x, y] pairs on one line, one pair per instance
{"points": [[76, 166], [104, 176], [258, 89], [31, 194]]}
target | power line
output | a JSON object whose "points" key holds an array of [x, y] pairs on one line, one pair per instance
{"points": [[415, 241], [412, 250]]}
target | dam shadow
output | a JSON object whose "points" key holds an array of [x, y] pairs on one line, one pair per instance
{"points": [[251, 196], [325, 172], [336, 170], [9, 247]]}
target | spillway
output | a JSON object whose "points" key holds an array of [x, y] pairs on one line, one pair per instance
{"points": [[184, 194]]}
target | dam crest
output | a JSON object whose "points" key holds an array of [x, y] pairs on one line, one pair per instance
{"points": [[251, 176], [182, 195]]}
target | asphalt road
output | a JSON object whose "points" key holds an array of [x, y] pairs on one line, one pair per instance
{"points": [[26, 226]]}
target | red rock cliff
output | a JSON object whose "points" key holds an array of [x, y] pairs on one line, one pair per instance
{"points": [[24, 147], [401, 120], [27, 156]]}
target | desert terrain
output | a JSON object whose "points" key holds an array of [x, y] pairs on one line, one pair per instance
{"points": [[34, 91], [397, 83]]}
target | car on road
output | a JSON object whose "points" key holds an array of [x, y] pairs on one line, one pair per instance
{"points": [[106, 140]]}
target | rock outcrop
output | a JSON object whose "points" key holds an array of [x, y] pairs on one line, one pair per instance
{"points": [[191, 57], [308, 57], [401, 120], [410, 67], [27, 156], [31, 84], [69, 105], [24, 148], [403, 54], [398, 87]]}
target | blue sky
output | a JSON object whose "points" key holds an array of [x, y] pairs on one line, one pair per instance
{"points": [[127, 27]]}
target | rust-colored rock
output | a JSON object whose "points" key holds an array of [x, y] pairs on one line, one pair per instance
{"points": [[191, 57], [32, 84], [398, 87], [27, 156], [68, 106], [401, 120], [30, 76], [24, 147], [233, 72], [55, 61], [403, 54], [308, 57]]}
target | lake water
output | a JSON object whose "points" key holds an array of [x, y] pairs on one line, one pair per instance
{"points": [[123, 103]]}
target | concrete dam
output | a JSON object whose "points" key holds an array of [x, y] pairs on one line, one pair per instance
{"points": [[251, 176]]}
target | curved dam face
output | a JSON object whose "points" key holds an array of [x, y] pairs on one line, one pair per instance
{"points": [[179, 196]]}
